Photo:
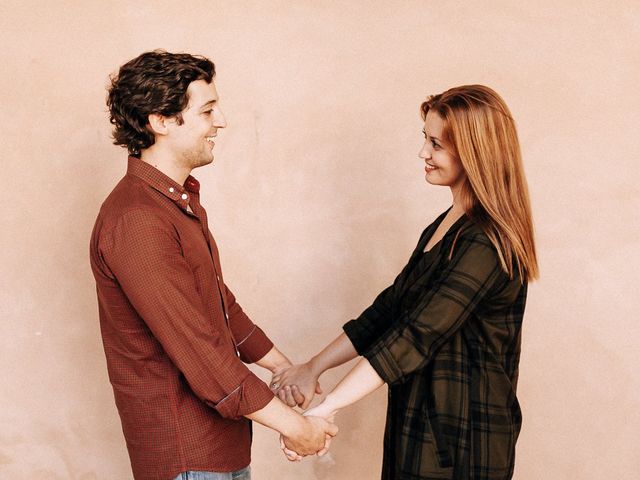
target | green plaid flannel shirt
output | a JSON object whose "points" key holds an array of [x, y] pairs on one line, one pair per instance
{"points": [[445, 337]]}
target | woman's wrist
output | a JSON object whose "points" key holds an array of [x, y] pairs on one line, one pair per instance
{"points": [[315, 366], [329, 404]]}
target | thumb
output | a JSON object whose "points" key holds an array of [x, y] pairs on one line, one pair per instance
{"points": [[318, 388], [332, 429]]}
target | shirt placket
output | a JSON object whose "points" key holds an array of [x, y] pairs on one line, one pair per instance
{"points": [[200, 213]]}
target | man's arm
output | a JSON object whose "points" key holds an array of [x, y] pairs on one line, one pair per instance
{"points": [[144, 256], [303, 435], [252, 343]]}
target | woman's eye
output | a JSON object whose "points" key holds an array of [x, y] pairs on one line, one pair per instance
{"points": [[435, 145]]}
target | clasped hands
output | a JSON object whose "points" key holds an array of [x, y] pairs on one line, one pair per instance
{"points": [[296, 385]]}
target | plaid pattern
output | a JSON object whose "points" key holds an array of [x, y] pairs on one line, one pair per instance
{"points": [[172, 330], [446, 338]]}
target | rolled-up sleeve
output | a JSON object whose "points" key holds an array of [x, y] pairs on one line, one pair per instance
{"points": [[144, 255], [252, 342], [377, 318], [410, 343], [371, 323]]}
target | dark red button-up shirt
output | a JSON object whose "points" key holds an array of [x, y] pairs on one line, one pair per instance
{"points": [[174, 336]]}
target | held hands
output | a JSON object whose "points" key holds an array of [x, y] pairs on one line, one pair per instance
{"points": [[296, 385], [289, 394], [324, 410], [313, 438]]}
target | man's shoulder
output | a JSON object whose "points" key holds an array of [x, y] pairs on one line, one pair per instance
{"points": [[131, 197]]}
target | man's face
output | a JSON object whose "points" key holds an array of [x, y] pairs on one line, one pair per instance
{"points": [[193, 141]]}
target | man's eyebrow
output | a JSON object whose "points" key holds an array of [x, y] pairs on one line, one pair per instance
{"points": [[209, 103]]}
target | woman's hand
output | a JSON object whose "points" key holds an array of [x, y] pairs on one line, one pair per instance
{"points": [[326, 411], [297, 383], [290, 449]]}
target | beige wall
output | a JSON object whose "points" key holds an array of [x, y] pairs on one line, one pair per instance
{"points": [[317, 198]]}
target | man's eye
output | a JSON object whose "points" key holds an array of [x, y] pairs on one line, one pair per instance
{"points": [[207, 112]]}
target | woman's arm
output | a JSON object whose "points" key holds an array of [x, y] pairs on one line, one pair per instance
{"points": [[445, 304], [357, 384], [305, 375]]}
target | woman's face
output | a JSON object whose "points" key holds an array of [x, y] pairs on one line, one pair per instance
{"points": [[442, 167]]}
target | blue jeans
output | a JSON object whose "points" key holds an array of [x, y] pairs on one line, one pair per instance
{"points": [[244, 474]]}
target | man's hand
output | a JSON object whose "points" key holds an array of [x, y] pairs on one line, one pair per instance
{"points": [[296, 383], [277, 362], [309, 440], [289, 395]]}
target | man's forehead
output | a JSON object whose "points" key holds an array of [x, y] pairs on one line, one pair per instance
{"points": [[201, 94]]}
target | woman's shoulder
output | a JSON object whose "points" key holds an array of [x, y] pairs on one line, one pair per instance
{"points": [[470, 229], [471, 237], [474, 243]]}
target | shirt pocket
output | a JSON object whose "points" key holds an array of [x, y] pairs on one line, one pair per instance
{"points": [[439, 443], [424, 447]]}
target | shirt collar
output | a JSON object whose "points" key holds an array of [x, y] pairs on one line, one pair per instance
{"points": [[162, 183]]}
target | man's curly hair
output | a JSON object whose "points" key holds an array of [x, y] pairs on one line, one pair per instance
{"points": [[154, 82]]}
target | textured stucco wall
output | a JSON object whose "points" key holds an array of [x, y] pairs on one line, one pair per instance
{"points": [[316, 199]]}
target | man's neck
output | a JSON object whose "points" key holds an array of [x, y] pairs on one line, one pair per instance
{"points": [[166, 164]]}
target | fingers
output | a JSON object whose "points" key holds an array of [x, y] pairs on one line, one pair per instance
{"points": [[308, 398], [282, 395], [327, 444], [290, 454], [298, 396], [332, 429], [286, 396], [289, 397]]}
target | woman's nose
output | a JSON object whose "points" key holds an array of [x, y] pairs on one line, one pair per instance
{"points": [[425, 152]]}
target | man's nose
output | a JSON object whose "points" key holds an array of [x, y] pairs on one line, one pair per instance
{"points": [[219, 119]]}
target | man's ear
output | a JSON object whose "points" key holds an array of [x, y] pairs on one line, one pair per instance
{"points": [[158, 124]]}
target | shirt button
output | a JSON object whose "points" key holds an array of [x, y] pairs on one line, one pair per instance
{"points": [[171, 189], [184, 196]]}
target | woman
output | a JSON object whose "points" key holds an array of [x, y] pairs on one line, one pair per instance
{"points": [[445, 336]]}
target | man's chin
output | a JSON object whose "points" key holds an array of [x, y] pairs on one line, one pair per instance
{"points": [[203, 161]]}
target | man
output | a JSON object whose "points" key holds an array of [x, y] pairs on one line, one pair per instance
{"points": [[174, 336]]}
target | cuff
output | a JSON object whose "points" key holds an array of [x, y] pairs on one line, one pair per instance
{"points": [[254, 346], [385, 366], [384, 356], [357, 335], [250, 396]]}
